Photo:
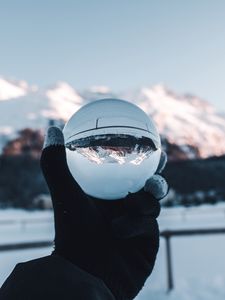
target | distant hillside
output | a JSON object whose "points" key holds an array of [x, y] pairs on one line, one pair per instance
{"points": [[192, 182], [199, 174], [190, 126]]}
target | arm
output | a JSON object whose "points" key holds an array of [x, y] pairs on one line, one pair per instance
{"points": [[116, 241]]}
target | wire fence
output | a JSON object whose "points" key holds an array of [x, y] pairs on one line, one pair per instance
{"points": [[25, 245], [26, 221], [168, 234]]}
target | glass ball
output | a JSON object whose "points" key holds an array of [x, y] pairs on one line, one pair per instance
{"points": [[112, 148]]}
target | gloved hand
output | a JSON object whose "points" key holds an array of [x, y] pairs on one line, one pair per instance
{"points": [[118, 240], [142, 207]]}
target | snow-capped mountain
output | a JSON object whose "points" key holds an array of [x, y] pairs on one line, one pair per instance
{"points": [[36, 109], [97, 92], [184, 120], [13, 89]]}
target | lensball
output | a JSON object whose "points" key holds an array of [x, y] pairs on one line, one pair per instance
{"points": [[112, 148]]}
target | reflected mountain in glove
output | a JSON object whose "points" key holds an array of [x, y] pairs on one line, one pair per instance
{"points": [[112, 148]]}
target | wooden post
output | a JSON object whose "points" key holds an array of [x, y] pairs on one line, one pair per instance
{"points": [[170, 284]]}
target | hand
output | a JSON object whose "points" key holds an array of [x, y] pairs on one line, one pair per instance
{"points": [[143, 206], [116, 241]]}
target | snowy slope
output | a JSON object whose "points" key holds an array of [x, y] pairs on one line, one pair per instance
{"points": [[35, 109], [197, 261], [182, 119], [13, 89], [97, 92]]}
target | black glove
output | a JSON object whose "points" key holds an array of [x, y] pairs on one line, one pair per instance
{"points": [[118, 240]]}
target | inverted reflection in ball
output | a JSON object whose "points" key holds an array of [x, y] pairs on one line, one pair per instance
{"points": [[112, 148]]}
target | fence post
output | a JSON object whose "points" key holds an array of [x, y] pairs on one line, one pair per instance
{"points": [[170, 284]]}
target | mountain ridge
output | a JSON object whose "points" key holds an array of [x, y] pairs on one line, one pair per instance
{"points": [[184, 120]]}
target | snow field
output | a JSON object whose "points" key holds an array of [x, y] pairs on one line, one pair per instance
{"points": [[198, 261]]}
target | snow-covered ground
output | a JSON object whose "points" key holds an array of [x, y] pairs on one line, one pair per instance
{"points": [[198, 261]]}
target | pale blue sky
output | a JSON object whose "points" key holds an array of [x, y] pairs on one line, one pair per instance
{"points": [[119, 43]]}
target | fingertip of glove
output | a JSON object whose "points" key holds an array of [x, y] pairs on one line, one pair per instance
{"points": [[157, 186], [53, 149], [54, 137]]}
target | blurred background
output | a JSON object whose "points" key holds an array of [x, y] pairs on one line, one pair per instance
{"points": [[168, 57]]}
